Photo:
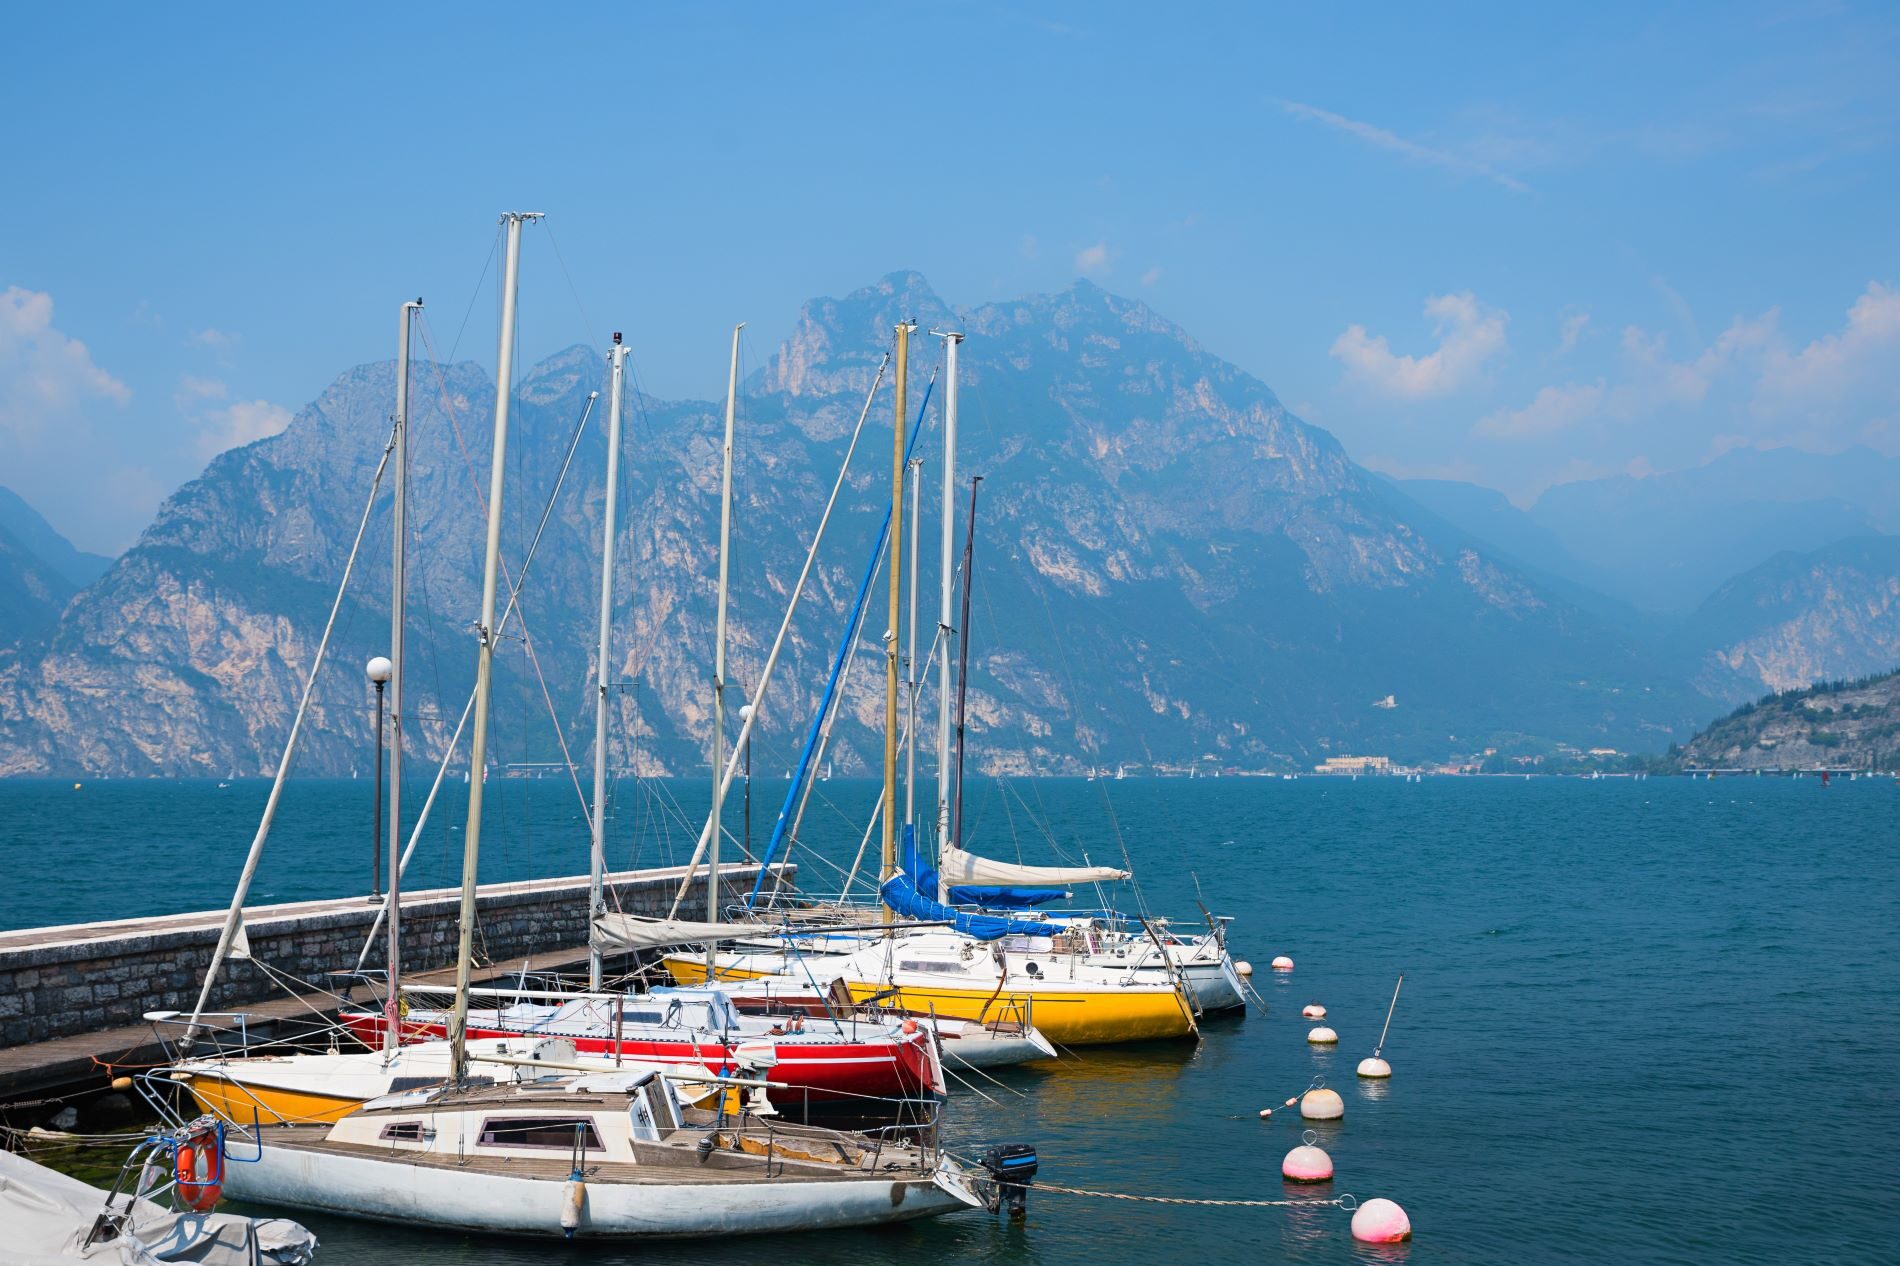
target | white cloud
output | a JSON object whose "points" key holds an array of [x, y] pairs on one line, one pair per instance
{"points": [[1863, 354], [193, 391], [1150, 277], [1468, 335], [215, 339], [242, 422], [1431, 156], [45, 375], [1569, 333], [1092, 259], [1553, 409]]}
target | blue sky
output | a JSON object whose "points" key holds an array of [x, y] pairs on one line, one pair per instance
{"points": [[1517, 244]]}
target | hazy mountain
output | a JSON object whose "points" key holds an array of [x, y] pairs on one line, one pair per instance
{"points": [[32, 532], [31, 593], [1799, 618], [1665, 542], [1169, 566], [1838, 724]]}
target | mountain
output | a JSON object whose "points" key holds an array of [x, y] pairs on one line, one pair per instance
{"points": [[1665, 542], [1801, 617], [1169, 567], [31, 593], [1838, 724], [38, 537]]}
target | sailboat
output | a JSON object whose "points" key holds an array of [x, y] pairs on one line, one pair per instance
{"points": [[566, 1148]]}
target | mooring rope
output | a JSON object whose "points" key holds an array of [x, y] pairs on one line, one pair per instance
{"points": [[1345, 1201]]}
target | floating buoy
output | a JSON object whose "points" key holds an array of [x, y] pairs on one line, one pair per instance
{"points": [[1322, 1036], [1381, 1222], [1243, 968], [1307, 1162], [75, 786], [1265, 1113], [1313, 1011], [1373, 1066], [1322, 1105], [1283, 963], [121, 1083]]}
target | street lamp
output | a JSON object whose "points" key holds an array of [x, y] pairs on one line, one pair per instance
{"points": [[379, 670], [745, 844]]}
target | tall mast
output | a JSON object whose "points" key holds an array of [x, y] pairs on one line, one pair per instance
{"points": [[889, 857], [963, 667], [910, 668], [392, 1011], [719, 653], [951, 341], [485, 632], [597, 861]]}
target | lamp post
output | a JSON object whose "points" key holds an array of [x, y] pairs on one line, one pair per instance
{"points": [[745, 844], [380, 670]]}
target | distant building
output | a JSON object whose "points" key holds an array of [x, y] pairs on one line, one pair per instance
{"points": [[1604, 751], [1354, 765]]}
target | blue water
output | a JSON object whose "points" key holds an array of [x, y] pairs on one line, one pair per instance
{"points": [[1642, 1021]]}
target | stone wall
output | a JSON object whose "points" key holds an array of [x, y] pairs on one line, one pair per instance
{"points": [[56, 982]]}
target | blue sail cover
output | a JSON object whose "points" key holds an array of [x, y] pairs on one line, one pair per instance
{"points": [[900, 894], [1005, 898]]}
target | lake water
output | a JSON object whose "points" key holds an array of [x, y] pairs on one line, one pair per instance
{"points": [[1643, 1021]]}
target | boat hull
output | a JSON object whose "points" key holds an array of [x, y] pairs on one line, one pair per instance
{"points": [[1066, 1016], [457, 1199]]}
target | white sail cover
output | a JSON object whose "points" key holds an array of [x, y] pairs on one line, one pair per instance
{"points": [[958, 869], [613, 931]]}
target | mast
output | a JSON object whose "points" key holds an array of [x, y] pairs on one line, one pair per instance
{"points": [[963, 667], [951, 341], [719, 654], [485, 655], [889, 866], [597, 861], [398, 615], [910, 670]]}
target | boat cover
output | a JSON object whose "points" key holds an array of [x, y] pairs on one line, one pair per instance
{"points": [[900, 894], [1006, 898], [47, 1215], [959, 869], [615, 931]]}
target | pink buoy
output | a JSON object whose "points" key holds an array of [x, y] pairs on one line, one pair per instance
{"points": [[1322, 1036], [1313, 1011], [1322, 1105], [1381, 1222], [1283, 963], [1307, 1162]]}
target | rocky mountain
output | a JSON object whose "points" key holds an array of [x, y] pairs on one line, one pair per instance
{"points": [[1834, 725], [1170, 567], [1801, 617], [31, 594]]}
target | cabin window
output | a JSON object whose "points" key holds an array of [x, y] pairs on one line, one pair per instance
{"points": [[406, 1132], [925, 965], [552, 1132]]}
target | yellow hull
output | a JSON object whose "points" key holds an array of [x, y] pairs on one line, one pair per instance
{"points": [[1067, 1017], [270, 1105]]}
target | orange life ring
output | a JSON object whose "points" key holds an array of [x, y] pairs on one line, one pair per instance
{"points": [[199, 1170]]}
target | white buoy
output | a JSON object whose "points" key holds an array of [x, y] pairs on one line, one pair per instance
{"points": [[1373, 1066], [1243, 968], [1307, 1163], [1283, 963], [1313, 1011], [1322, 1105], [1322, 1036], [1381, 1222]]}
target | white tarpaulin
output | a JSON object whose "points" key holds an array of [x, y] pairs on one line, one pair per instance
{"points": [[46, 1216], [629, 932], [958, 869]]}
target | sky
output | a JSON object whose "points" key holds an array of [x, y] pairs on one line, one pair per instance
{"points": [[1514, 244]]}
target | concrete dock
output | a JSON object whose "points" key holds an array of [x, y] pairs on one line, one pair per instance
{"points": [[72, 997]]}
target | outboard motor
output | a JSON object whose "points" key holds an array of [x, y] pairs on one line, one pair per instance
{"points": [[1012, 1167]]}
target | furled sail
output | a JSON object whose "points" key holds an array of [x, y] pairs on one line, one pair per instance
{"points": [[958, 869], [615, 931], [994, 898], [901, 895]]}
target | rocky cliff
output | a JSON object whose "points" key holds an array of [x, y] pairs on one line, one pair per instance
{"points": [[1170, 567], [1835, 725]]}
